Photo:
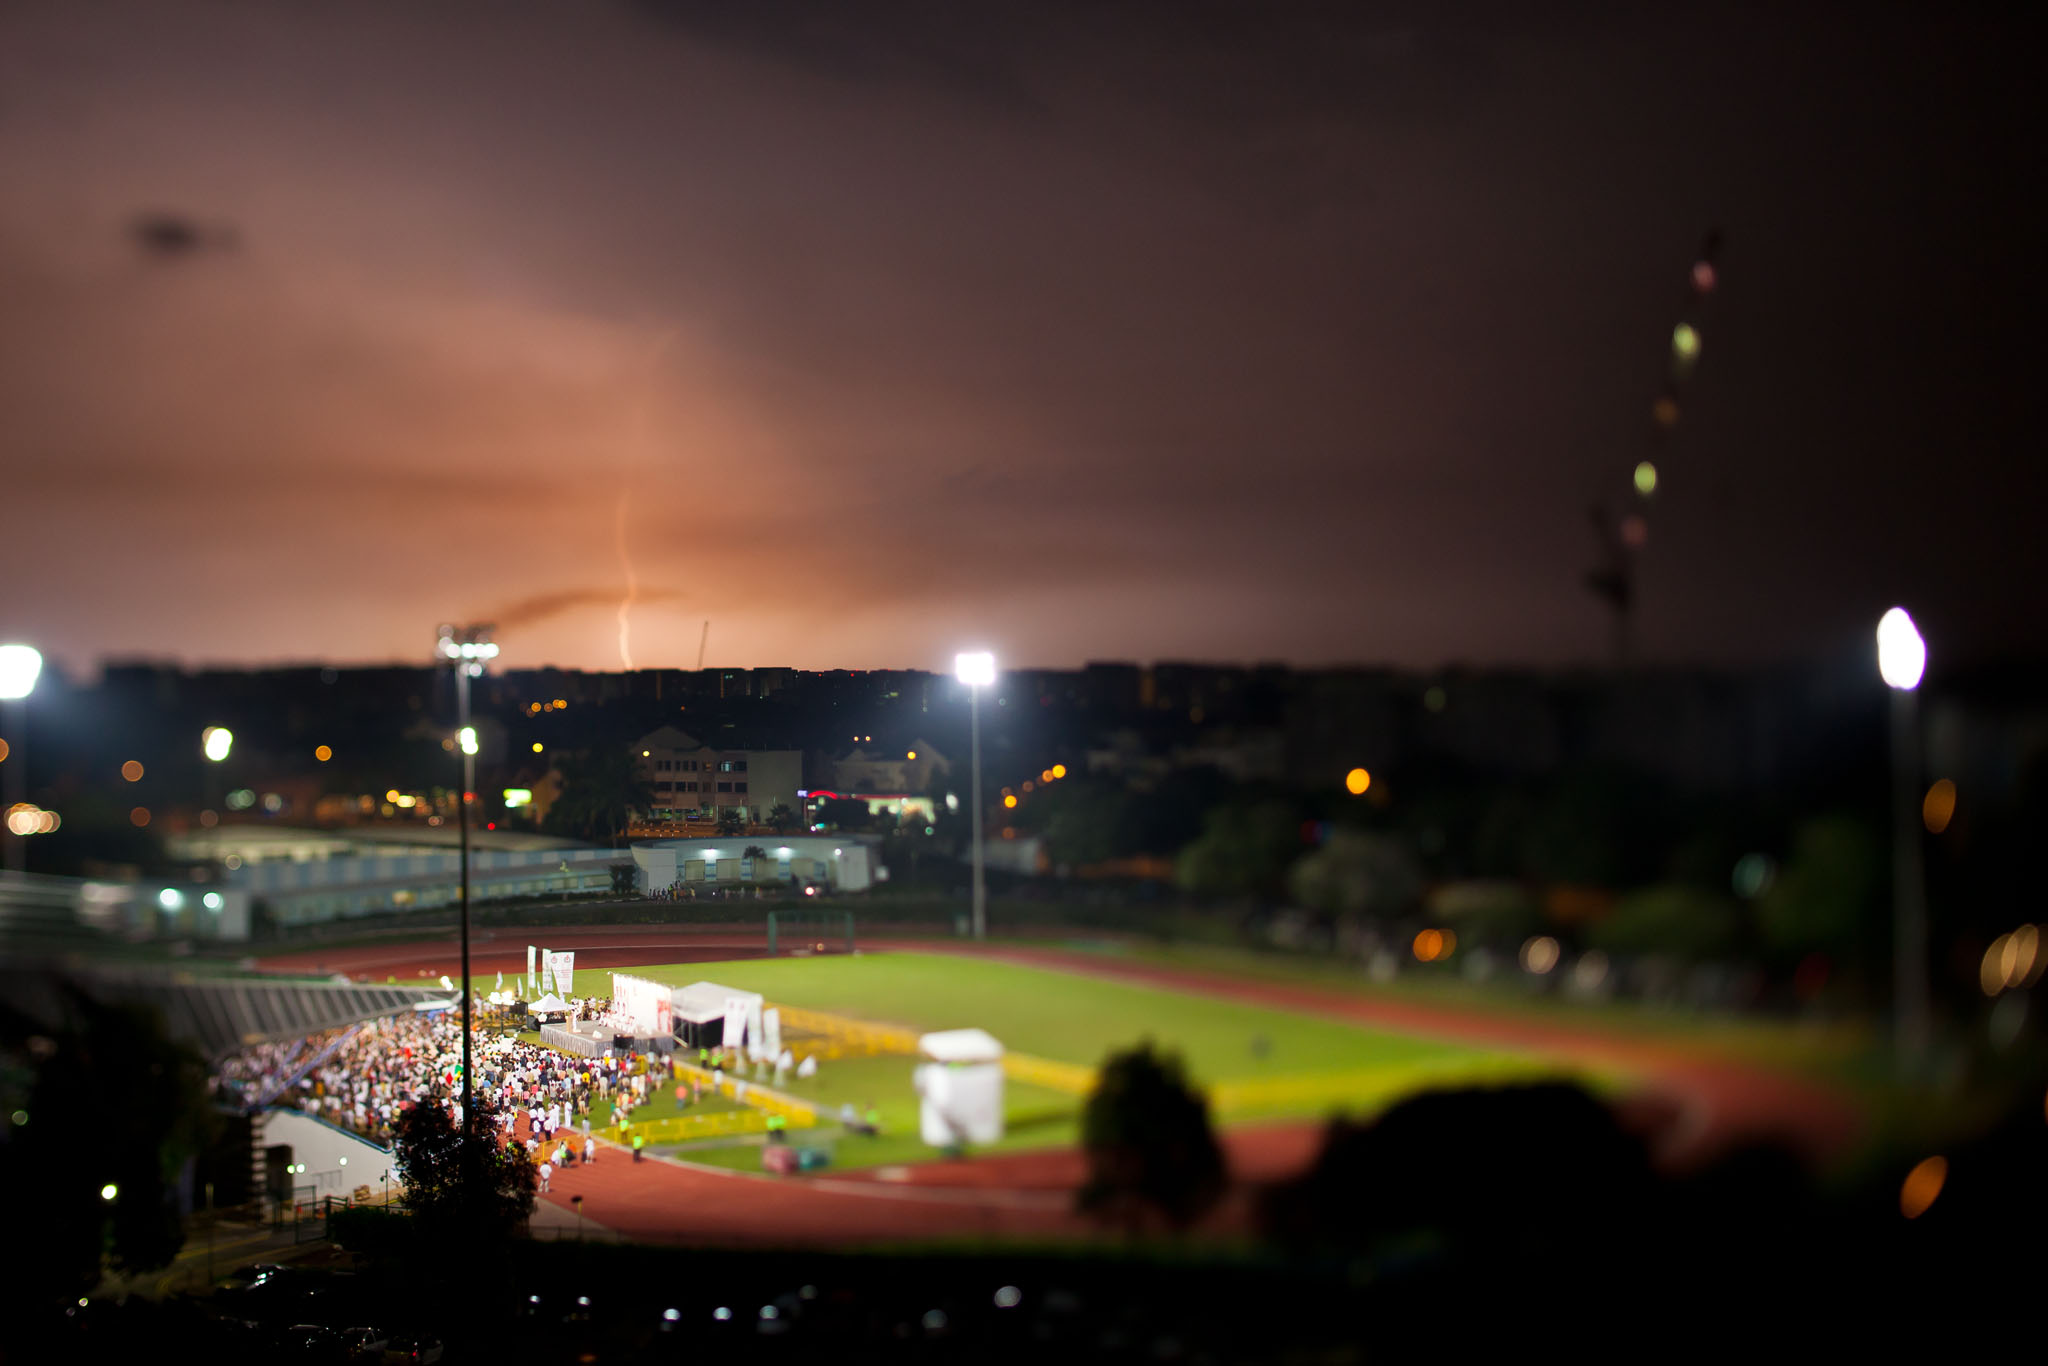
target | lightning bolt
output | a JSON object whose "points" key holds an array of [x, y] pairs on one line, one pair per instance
{"points": [[640, 441], [632, 589]]}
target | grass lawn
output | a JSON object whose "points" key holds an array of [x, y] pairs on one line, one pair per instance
{"points": [[1839, 1049]]}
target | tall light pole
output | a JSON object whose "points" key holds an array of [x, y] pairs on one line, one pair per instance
{"points": [[976, 669], [466, 648], [20, 667], [1901, 661]]}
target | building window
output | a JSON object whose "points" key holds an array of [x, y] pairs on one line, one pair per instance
{"points": [[739, 787], [739, 765], [725, 787], [725, 766]]}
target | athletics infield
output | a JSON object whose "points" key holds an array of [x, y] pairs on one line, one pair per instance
{"points": [[1276, 1058]]}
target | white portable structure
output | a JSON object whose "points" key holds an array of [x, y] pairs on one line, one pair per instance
{"points": [[708, 1015], [960, 1085]]}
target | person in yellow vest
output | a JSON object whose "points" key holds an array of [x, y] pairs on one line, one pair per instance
{"points": [[639, 1142]]}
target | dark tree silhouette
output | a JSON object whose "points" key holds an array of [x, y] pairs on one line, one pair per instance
{"points": [[463, 1188], [1150, 1149], [601, 789], [110, 1099]]}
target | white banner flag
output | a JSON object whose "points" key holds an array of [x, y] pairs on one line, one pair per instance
{"points": [[563, 966], [771, 1033], [547, 982], [528, 983], [735, 1022]]}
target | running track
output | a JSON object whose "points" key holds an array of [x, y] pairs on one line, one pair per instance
{"points": [[1692, 1106]]}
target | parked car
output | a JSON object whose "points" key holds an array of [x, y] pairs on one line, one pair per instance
{"points": [[365, 1343], [412, 1351], [311, 1342]]}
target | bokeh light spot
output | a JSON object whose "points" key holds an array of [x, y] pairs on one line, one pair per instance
{"points": [[139, 816], [1922, 1186], [323, 753], [1646, 478], [132, 771], [1357, 781], [1938, 808], [1540, 954]]}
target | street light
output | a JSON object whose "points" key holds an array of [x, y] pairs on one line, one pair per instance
{"points": [[20, 667], [976, 669], [1901, 662], [467, 649], [216, 741]]}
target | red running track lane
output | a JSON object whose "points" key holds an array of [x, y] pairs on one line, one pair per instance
{"points": [[1712, 1105], [1011, 1196], [498, 950]]}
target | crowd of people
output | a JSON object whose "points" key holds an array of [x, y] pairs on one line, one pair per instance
{"points": [[365, 1077]]}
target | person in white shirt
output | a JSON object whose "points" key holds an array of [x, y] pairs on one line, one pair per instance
{"points": [[547, 1170]]}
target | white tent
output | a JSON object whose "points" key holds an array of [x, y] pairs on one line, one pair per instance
{"points": [[961, 1086], [549, 1004], [708, 1015]]}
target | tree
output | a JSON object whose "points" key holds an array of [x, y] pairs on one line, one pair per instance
{"points": [[601, 789], [112, 1100], [1826, 892], [462, 1188], [781, 819], [1356, 873], [753, 851], [1673, 919], [1146, 1135], [1243, 851], [732, 821]]}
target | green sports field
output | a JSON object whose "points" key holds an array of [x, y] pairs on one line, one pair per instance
{"points": [[1257, 1062]]}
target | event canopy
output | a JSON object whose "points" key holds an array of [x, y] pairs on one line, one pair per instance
{"points": [[549, 1004], [702, 1002]]}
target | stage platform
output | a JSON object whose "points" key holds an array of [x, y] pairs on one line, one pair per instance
{"points": [[587, 1040]]}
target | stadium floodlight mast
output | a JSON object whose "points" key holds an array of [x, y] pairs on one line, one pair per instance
{"points": [[467, 649], [20, 667], [1902, 662], [976, 669]]}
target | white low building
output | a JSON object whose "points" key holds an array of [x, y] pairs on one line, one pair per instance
{"points": [[842, 863]]}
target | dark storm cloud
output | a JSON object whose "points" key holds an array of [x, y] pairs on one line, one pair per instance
{"points": [[1295, 330], [169, 236]]}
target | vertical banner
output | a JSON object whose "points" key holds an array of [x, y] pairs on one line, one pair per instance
{"points": [[529, 971], [771, 1033], [735, 1022], [547, 983], [756, 1049], [563, 967]]}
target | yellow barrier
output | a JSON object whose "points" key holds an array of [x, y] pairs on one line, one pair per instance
{"points": [[843, 1032], [682, 1128], [1069, 1077], [1366, 1087], [797, 1112]]}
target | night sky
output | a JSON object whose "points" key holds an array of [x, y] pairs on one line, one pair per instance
{"points": [[1130, 331]]}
